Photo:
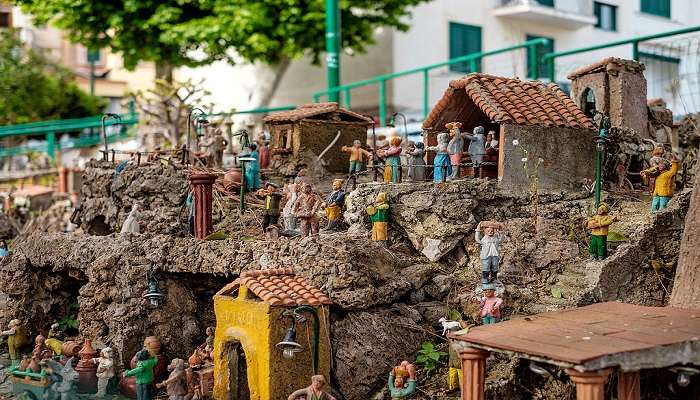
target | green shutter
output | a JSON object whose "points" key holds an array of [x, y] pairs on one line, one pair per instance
{"points": [[599, 11], [541, 51], [464, 40], [662, 8], [548, 3]]}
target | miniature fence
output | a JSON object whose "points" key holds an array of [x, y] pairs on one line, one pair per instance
{"points": [[473, 60]]}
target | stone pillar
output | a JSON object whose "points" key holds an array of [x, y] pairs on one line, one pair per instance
{"points": [[589, 385], [62, 180], [473, 373], [628, 385], [202, 191]]}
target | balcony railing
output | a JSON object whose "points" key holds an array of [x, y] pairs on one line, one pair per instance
{"points": [[568, 14]]}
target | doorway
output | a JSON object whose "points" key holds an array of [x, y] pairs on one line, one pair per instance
{"points": [[238, 371]]}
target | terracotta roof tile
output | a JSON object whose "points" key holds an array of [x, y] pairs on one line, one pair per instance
{"points": [[281, 287], [313, 110], [510, 100]]}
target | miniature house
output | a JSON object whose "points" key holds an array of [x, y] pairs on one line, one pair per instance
{"points": [[249, 324], [540, 118], [614, 87], [314, 127]]}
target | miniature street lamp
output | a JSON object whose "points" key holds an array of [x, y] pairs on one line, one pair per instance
{"points": [[289, 345], [152, 293], [684, 374], [375, 157], [245, 141], [105, 117], [392, 124], [603, 130], [200, 117]]}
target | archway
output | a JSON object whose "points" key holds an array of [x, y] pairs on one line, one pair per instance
{"points": [[238, 371], [588, 102]]}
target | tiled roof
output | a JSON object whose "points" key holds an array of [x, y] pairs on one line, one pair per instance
{"points": [[608, 64], [507, 100], [313, 110], [281, 287]]}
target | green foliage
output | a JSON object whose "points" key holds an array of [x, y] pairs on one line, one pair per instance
{"points": [[168, 31], [68, 322], [429, 357], [34, 88]]}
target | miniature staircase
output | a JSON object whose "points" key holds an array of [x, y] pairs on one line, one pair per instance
{"points": [[579, 282]]}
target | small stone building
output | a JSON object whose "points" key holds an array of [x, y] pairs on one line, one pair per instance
{"points": [[314, 127], [249, 322], [614, 87], [544, 122]]}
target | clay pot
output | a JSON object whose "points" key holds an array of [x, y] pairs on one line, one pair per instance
{"points": [[127, 387], [86, 369], [232, 180], [152, 344], [70, 349], [195, 360]]}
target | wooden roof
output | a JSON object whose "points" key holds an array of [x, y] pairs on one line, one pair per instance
{"points": [[601, 335], [319, 111], [479, 97]]}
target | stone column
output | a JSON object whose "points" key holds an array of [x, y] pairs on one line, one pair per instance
{"points": [[589, 385], [473, 373], [628, 385], [202, 191], [62, 180]]}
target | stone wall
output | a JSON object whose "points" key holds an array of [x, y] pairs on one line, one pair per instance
{"points": [[568, 158]]}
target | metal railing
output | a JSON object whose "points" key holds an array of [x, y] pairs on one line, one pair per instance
{"points": [[550, 58], [473, 60]]}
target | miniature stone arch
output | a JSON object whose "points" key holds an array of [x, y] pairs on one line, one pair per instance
{"points": [[588, 102]]}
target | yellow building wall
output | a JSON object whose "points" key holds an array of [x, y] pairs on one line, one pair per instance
{"points": [[248, 322]]}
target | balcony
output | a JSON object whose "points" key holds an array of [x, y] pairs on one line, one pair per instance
{"points": [[567, 14]]}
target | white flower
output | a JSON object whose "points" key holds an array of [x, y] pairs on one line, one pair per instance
{"points": [[524, 159], [516, 142]]}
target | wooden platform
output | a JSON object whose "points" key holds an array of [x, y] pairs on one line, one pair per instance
{"points": [[597, 336]]}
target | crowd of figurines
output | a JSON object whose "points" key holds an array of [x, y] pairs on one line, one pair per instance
{"points": [[59, 366]]}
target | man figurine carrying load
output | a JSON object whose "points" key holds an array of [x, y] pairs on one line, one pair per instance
{"points": [[312, 392], [490, 254], [402, 380], [379, 214], [334, 205], [598, 248], [663, 185]]}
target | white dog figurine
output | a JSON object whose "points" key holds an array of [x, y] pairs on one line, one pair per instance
{"points": [[449, 325]]}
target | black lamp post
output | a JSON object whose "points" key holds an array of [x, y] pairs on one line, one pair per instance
{"points": [[152, 293], [392, 123], [105, 117], [200, 117], [289, 345]]}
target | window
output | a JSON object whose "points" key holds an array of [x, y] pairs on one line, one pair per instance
{"points": [[663, 75], [464, 39], [606, 16], [662, 8], [548, 3], [5, 19], [541, 51]]}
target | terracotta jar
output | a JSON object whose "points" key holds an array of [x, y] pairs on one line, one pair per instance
{"points": [[70, 349], [34, 365], [24, 364], [127, 387], [232, 180], [86, 369]]}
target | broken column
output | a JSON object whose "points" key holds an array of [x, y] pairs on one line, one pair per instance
{"points": [[473, 373], [202, 192], [590, 385]]}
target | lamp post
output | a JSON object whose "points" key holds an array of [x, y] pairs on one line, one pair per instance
{"points": [[392, 123], [289, 345], [333, 48], [105, 117], [603, 129], [200, 117], [245, 141]]}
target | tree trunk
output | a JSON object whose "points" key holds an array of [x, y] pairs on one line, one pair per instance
{"points": [[164, 71], [267, 92], [685, 292]]}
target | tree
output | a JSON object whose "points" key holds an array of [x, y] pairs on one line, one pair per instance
{"points": [[33, 88], [181, 33]]}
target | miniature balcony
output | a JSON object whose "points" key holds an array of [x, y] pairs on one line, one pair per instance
{"points": [[567, 14]]}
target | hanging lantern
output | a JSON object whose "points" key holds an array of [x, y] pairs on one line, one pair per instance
{"points": [[152, 294]]}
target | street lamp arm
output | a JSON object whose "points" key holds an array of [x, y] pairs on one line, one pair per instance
{"points": [[317, 329]]}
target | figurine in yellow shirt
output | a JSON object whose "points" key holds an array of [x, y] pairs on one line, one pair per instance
{"points": [[663, 186], [598, 248]]}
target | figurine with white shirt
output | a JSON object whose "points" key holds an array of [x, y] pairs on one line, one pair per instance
{"points": [[489, 235]]}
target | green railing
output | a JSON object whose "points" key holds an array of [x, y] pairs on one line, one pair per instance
{"points": [[550, 58], [472, 59]]}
